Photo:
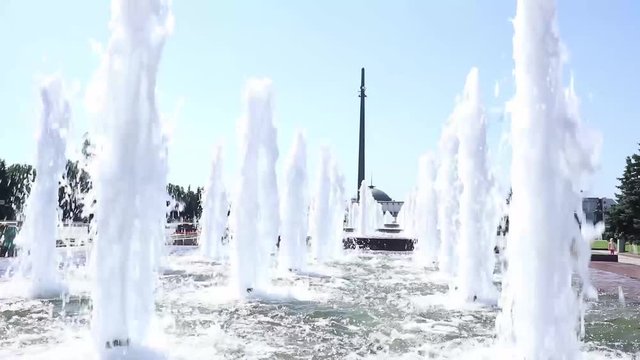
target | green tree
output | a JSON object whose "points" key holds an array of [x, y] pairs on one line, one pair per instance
{"points": [[188, 203], [20, 177], [75, 184], [6, 212], [624, 217]]}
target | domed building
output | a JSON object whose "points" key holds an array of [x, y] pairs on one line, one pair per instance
{"points": [[379, 195], [388, 204]]}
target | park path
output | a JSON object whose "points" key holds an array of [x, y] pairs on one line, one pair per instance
{"points": [[608, 276]]}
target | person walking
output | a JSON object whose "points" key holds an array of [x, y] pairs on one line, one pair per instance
{"points": [[612, 247]]}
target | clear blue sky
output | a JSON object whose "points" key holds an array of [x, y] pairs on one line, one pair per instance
{"points": [[417, 55]]}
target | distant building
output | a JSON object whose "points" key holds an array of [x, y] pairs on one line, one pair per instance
{"points": [[388, 205], [595, 209]]}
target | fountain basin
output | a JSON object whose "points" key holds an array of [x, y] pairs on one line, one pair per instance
{"points": [[379, 243], [373, 307]]}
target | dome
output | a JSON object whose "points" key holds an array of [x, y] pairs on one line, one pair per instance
{"points": [[379, 195]]}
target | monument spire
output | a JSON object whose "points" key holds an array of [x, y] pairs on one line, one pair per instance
{"points": [[361, 143]]}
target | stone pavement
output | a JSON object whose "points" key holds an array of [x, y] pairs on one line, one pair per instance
{"points": [[608, 276], [629, 259]]}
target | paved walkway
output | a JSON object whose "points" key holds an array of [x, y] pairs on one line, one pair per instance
{"points": [[629, 259], [608, 277], [620, 268]]}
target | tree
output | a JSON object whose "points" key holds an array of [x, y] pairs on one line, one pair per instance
{"points": [[6, 212], [624, 217], [20, 178], [188, 203], [75, 184]]}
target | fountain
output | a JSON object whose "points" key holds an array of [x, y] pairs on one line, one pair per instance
{"points": [[129, 178], [448, 194], [293, 247], [254, 221], [426, 212], [321, 229], [367, 305], [476, 233], [38, 236], [540, 310], [214, 210]]}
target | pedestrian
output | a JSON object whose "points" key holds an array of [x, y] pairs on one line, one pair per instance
{"points": [[612, 247]]}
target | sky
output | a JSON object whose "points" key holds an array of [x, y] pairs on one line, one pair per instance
{"points": [[416, 54]]}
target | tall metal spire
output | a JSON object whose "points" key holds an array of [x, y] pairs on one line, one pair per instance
{"points": [[361, 144]]}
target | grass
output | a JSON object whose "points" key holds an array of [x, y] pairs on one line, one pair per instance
{"points": [[604, 245]]}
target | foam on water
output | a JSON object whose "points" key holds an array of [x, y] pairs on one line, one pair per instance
{"points": [[370, 305], [293, 247], [214, 210], [37, 238], [550, 158], [474, 279], [129, 176], [254, 222]]}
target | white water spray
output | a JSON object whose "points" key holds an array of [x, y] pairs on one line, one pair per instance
{"points": [[38, 236], [255, 219], [407, 216], [337, 211], [540, 310], [387, 218], [370, 215], [448, 195], [130, 175], [214, 210], [293, 249], [426, 212], [476, 236], [321, 211]]}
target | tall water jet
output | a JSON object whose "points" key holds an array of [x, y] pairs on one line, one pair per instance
{"points": [[476, 237], [337, 211], [269, 226], [388, 218], [321, 228], [214, 210], [254, 221], [407, 216], [448, 194], [293, 250], [540, 310], [354, 215], [129, 175], [426, 212], [363, 209], [38, 236], [370, 216]]}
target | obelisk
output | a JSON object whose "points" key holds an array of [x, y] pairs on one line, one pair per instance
{"points": [[361, 144]]}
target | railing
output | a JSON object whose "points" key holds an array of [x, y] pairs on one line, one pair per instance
{"points": [[182, 239]]}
